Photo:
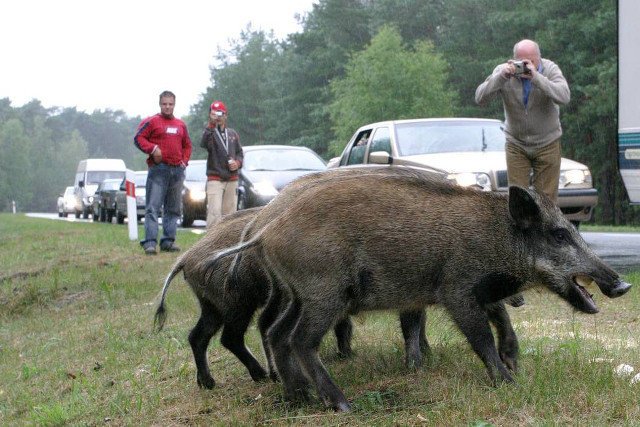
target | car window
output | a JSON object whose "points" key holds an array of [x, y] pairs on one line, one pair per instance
{"points": [[447, 137], [282, 160], [96, 177], [381, 141], [109, 185], [357, 150]]}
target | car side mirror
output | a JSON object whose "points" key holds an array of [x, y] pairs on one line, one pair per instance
{"points": [[81, 184], [380, 158]]}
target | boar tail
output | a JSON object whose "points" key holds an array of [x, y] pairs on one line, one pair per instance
{"points": [[212, 263], [161, 312]]}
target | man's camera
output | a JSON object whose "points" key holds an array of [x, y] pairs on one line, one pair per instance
{"points": [[520, 68]]}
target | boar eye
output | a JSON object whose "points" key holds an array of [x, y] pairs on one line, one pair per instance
{"points": [[560, 235]]}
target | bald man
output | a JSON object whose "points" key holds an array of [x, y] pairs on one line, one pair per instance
{"points": [[532, 88]]}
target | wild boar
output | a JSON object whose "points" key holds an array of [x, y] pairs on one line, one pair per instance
{"points": [[405, 240], [231, 311]]}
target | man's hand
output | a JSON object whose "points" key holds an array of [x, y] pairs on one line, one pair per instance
{"points": [[233, 165], [156, 156]]}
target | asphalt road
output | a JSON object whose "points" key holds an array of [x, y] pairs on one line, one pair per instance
{"points": [[621, 251]]}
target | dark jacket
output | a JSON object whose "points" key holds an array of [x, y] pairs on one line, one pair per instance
{"points": [[218, 157]]}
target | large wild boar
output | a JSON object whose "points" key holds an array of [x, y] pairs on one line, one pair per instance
{"points": [[405, 240]]}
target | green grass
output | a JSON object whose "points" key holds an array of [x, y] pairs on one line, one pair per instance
{"points": [[77, 348]]}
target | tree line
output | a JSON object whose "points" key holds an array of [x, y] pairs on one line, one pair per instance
{"points": [[358, 61]]}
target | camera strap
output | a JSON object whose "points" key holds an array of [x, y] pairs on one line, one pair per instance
{"points": [[222, 139]]}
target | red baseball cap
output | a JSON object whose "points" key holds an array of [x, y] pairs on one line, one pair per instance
{"points": [[218, 106]]}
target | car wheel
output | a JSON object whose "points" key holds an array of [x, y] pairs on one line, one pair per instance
{"points": [[78, 214], [85, 214], [119, 216], [60, 214], [242, 202], [187, 219]]}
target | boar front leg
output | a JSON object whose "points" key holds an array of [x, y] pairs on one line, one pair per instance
{"points": [[416, 345], [474, 324], [507, 339]]}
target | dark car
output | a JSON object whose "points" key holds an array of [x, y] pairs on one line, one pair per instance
{"points": [[267, 169], [194, 193], [104, 200], [140, 181]]}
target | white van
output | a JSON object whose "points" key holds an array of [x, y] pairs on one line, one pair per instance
{"points": [[90, 173]]}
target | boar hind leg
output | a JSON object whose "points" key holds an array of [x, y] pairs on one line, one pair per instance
{"points": [[265, 321], [305, 340], [507, 339], [199, 337], [296, 385], [474, 324], [416, 345], [233, 339]]}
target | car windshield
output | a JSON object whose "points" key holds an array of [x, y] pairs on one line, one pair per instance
{"points": [[196, 171], [448, 137], [282, 160], [140, 179], [96, 177], [110, 185]]}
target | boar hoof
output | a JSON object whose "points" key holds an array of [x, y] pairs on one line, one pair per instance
{"points": [[342, 407], [206, 382], [510, 362], [258, 376]]}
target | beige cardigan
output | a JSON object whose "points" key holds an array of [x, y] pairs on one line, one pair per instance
{"points": [[539, 123]]}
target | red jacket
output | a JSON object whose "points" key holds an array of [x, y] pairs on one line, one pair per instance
{"points": [[171, 135]]}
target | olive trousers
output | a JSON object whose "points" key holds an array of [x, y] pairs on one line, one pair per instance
{"points": [[543, 162]]}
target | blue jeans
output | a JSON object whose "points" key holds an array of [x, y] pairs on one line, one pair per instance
{"points": [[164, 189]]}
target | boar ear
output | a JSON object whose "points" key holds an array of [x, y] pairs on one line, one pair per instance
{"points": [[523, 208]]}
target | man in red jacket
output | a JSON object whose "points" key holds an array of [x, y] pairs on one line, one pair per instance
{"points": [[166, 141]]}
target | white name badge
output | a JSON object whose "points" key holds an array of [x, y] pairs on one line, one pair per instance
{"points": [[172, 131], [632, 154]]}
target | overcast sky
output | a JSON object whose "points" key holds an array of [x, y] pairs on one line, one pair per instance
{"points": [[120, 54]]}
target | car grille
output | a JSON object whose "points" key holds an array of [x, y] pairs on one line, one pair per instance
{"points": [[501, 179]]}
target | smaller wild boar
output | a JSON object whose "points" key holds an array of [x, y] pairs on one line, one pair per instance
{"points": [[232, 311], [403, 241]]}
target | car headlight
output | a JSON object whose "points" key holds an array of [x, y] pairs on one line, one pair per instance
{"points": [[197, 195], [90, 198], [472, 179], [264, 188], [575, 178]]}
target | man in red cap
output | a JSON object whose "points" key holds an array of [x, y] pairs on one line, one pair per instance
{"points": [[223, 161]]}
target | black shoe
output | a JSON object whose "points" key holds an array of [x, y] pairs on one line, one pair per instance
{"points": [[150, 250], [169, 247]]}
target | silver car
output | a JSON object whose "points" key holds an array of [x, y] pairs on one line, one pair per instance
{"points": [[67, 202], [467, 151]]}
